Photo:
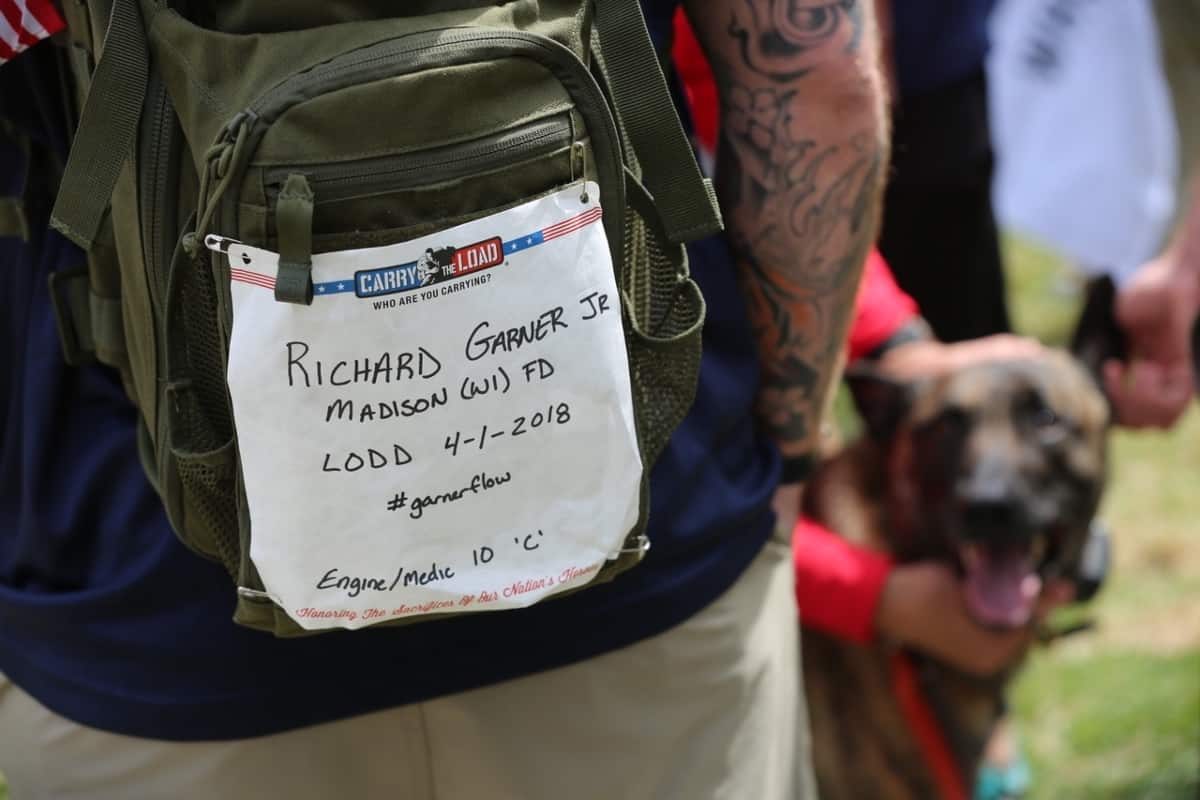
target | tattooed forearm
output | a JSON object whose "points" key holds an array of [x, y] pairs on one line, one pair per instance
{"points": [[799, 174], [778, 38], [801, 262]]}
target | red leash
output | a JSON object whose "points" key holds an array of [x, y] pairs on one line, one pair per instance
{"points": [[924, 725]]}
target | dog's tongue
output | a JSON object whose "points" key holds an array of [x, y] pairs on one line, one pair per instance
{"points": [[1001, 587]]}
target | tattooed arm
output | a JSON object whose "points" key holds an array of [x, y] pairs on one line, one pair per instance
{"points": [[802, 153]]}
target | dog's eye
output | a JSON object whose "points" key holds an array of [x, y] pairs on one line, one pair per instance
{"points": [[1038, 415], [1044, 417], [951, 422]]}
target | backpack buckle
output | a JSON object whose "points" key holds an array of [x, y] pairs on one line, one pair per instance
{"points": [[69, 295], [13, 220]]}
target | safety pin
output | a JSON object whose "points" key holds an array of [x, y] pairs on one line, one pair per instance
{"points": [[219, 244]]}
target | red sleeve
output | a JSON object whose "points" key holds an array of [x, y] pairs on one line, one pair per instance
{"points": [[881, 309], [837, 584], [697, 79]]}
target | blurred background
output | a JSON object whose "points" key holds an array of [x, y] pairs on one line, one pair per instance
{"points": [[1115, 712], [1094, 119]]}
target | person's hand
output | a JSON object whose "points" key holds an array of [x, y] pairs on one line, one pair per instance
{"points": [[1157, 310], [922, 607], [930, 358]]}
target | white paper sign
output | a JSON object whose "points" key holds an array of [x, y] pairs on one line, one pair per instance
{"points": [[447, 428]]}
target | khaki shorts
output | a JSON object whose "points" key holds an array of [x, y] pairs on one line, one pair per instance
{"points": [[709, 709]]}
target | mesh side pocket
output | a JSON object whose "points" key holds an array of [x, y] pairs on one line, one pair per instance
{"points": [[208, 483], [205, 354], [666, 313], [198, 473]]}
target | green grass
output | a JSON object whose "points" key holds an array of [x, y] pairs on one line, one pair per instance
{"points": [[1116, 724], [1115, 713], [1043, 293]]}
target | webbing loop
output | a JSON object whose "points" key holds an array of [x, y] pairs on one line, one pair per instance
{"points": [[107, 127], [293, 223], [686, 203]]}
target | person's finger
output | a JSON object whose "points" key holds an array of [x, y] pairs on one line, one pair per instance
{"points": [[1005, 346], [1168, 388], [1113, 372], [1145, 394], [1121, 387], [1178, 385]]}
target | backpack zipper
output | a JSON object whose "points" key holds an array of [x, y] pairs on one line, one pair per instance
{"points": [[340, 181], [230, 154], [157, 190], [389, 173]]}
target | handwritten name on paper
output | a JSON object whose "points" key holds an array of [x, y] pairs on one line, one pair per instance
{"points": [[448, 425]]}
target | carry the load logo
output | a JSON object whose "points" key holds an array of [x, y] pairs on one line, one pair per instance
{"points": [[436, 265]]}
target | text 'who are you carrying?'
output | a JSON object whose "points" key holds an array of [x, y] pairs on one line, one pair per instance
{"points": [[406, 319]]}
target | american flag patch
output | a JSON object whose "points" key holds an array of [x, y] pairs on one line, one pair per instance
{"points": [[24, 23], [573, 224], [256, 278]]}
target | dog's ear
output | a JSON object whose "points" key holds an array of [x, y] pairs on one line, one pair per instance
{"points": [[1097, 336], [881, 401]]}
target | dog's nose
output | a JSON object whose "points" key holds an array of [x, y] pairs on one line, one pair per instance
{"points": [[991, 506], [995, 516]]}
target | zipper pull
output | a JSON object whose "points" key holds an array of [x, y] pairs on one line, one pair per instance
{"points": [[578, 153], [293, 222], [216, 175], [579, 150]]}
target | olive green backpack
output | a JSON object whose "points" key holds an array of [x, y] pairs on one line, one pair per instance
{"points": [[242, 121]]}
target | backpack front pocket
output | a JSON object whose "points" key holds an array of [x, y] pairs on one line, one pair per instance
{"points": [[385, 199], [447, 426]]}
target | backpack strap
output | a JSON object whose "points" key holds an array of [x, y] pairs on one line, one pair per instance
{"points": [[107, 127], [685, 199]]}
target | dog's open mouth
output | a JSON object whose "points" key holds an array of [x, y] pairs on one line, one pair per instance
{"points": [[1001, 584]]}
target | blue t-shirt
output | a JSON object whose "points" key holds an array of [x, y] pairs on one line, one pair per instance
{"points": [[938, 42], [107, 619]]}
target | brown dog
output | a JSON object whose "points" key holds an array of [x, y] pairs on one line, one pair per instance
{"points": [[996, 470]]}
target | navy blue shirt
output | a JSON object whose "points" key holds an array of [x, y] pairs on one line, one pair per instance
{"points": [[107, 619], [938, 42]]}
